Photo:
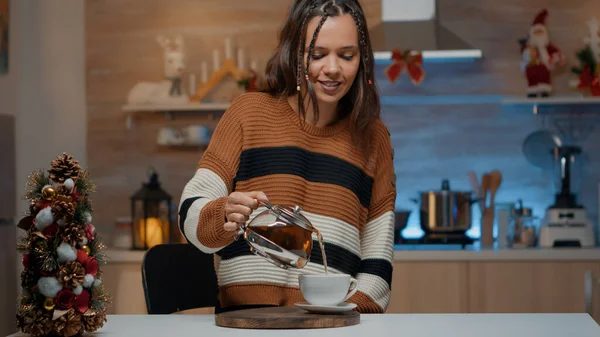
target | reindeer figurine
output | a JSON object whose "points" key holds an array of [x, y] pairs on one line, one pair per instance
{"points": [[168, 91], [594, 39]]}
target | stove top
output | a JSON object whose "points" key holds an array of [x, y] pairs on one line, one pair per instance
{"points": [[440, 239]]}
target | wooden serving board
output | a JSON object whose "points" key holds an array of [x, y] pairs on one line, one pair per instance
{"points": [[284, 318]]}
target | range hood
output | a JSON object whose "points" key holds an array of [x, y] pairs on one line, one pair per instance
{"points": [[414, 24]]}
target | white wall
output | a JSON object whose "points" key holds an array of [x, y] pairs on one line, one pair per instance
{"points": [[8, 110], [45, 91], [51, 86], [8, 100]]}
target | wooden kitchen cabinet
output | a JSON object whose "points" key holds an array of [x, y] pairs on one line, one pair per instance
{"points": [[429, 287], [430, 284], [124, 283], [529, 286]]}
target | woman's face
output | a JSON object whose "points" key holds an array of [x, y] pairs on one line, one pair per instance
{"points": [[335, 57]]}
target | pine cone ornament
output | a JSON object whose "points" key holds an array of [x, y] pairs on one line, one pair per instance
{"points": [[68, 324], [63, 168], [93, 322], [62, 206], [61, 190], [73, 233], [28, 279], [71, 275], [35, 322], [37, 243]]}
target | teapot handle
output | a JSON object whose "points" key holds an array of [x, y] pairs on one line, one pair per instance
{"points": [[240, 232], [242, 229], [266, 204]]}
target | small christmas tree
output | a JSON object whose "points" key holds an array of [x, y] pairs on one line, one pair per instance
{"points": [[588, 71], [62, 293], [589, 59]]}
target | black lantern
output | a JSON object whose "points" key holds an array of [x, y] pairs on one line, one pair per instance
{"points": [[151, 215]]}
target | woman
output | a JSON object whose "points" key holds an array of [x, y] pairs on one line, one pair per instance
{"points": [[313, 139]]}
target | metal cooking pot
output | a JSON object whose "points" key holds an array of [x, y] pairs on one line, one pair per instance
{"points": [[445, 211]]}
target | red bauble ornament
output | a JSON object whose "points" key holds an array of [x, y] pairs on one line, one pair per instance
{"points": [[50, 231], [81, 256], [91, 266]]}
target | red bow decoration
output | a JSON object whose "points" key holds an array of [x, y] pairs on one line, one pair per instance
{"points": [[413, 60], [253, 82], [587, 81], [250, 81]]}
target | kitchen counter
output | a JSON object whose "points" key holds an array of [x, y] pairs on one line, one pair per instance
{"points": [[472, 253], [467, 325], [438, 279], [407, 253]]}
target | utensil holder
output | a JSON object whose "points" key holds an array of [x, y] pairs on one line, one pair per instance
{"points": [[487, 228]]}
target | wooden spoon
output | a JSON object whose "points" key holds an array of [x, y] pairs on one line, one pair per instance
{"points": [[495, 181]]}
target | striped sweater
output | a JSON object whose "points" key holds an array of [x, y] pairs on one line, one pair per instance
{"points": [[260, 144]]}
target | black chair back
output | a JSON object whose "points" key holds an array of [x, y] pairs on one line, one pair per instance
{"points": [[178, 277]]}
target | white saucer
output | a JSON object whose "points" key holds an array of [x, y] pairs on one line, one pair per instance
{"points": [[326, 308]]}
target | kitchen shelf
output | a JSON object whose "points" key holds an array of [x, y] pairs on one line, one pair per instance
{"points": [[435, 56], [520, 104], [177, 107], [169, 109], [507, 101], [554, 104], [441, 99], [552, 100]]}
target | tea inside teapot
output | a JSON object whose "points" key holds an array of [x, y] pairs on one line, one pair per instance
{"points": [[283, 236]]}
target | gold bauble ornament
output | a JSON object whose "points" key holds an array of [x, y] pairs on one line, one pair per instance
{"points": [[86, 249], [48, 193], [49, 303]]}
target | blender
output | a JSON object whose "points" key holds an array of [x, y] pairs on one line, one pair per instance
{"points": [[566, 223]]}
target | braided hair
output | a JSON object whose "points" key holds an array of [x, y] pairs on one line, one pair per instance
{"points": [[287, 69]]}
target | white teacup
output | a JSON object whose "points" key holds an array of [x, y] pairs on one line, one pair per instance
{"points": [[327, 289]]}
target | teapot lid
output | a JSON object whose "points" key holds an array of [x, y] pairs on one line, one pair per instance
{"points": [[292, 215]]}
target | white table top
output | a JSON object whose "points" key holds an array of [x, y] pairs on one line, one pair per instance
{"points": [[389, 325]]}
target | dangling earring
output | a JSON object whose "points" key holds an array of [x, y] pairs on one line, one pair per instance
{"points": [[299, 71], [298, 79]]}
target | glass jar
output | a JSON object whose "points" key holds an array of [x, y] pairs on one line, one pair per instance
{"points": [[522, 229]]}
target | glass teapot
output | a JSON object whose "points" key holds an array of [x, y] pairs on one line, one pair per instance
{"points": [[280, 234]]}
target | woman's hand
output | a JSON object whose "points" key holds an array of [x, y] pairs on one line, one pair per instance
{"points": [[239, 206]]}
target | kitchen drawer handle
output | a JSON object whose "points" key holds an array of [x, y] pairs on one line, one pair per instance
{"points": [[589, 283]]}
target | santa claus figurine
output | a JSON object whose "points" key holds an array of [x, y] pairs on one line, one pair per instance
{"points": [[539, 58]]}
